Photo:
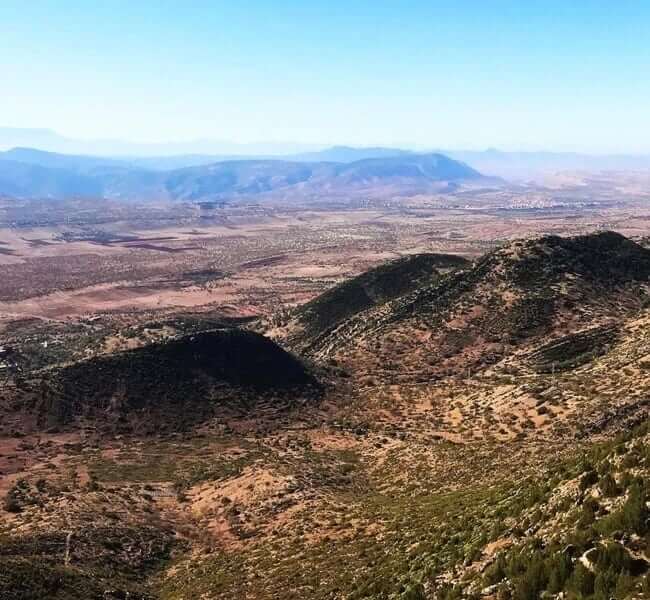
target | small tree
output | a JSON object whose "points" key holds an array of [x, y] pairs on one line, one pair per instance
{"points": [[582, 581], [10, 503], [635, 511]]}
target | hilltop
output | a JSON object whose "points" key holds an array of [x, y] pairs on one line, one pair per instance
{"points": [[166, 385]]}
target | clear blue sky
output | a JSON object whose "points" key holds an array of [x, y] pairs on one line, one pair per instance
{"points": [[570, 74]]}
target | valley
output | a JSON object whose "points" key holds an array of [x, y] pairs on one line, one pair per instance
{"points": [[432, 396], [319, 301]]}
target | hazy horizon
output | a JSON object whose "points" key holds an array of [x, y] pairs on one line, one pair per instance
{"points": [[99, 146], [559, 77]]}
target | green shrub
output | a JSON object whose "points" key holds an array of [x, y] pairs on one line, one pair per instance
{"points": [[604, 584], [559, 571], [582, 580], [631, 517], [624, 585], [612, 556]]}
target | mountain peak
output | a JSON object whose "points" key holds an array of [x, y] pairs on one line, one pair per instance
{"points": [[606, 256]]}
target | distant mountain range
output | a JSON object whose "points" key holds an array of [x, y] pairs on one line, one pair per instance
{"points": [[25, 172], [178, 155], [45, 158]]}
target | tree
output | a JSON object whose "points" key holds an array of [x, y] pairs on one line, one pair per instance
{"points": [[11, 503], [635, 511], [582, 580]]}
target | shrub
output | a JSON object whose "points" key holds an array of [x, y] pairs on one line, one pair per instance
{"points": [[588, 513], [582, 581], [631, 517], [624, 585], [612, 557], [496, 571], [604, 584], [414, 591], [589, 478], [11, 504], [559, 570], [608, 486]]}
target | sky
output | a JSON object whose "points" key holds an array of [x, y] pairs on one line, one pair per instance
{"points": [[516, 75]]}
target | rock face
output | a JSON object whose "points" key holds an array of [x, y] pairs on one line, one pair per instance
{"points": [[178, 381]]}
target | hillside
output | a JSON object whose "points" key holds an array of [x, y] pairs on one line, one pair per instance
{"points": [[483, 434], [20, 179], [372, 288], [510, 299], [166, 385], [582, 531], [410, 167]]}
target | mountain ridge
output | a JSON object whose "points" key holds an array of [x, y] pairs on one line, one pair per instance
{"points": [[512, 297], [220, 180], [532, 164]]}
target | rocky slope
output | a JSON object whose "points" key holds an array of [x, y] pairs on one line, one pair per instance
{"points": [[583, 532]]}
